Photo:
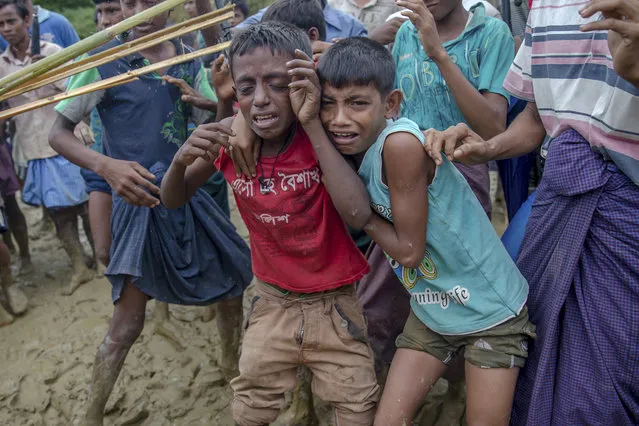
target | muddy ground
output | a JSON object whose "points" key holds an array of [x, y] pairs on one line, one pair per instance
{"points": [[46, 356]]}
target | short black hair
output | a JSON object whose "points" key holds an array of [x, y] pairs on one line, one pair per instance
{"points": [[20, 5], [358, 61], [277, 36], [105, 1], [242, 7], [304, 14]]}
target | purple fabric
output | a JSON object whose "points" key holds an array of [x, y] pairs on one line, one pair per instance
{"points": [[479, 180], [580, 255]]}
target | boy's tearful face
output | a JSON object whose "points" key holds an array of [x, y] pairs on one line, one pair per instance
{"points": [[353, 116], [261, 85]]}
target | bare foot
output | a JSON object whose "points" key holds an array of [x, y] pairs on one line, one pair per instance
{"points": [[26, 266], [5, 317], [77, 279], [18, 301]]}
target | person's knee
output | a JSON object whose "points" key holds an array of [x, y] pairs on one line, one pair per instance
{"points": [[243, 415], [126, 333]]}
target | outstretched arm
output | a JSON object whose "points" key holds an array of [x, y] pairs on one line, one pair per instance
{"points": [[461, 144], [342, 183], [127, 178], [408, 172], [193, 165]]}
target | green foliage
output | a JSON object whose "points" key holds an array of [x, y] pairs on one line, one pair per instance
{"points": [[82, 19], [255, 5], [80, 12], [58, 5]]}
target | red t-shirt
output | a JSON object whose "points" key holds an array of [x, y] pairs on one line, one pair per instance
{"points": [[298, 240]]}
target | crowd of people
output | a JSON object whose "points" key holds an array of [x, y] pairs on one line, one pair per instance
{"points": [[356, 137]]}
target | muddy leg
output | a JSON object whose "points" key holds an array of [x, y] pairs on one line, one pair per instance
{"points": [[66, 223], [164, 327], [18, 227], [16, 299], [126, 325], [83, 212], [229, 318], [8, 241], [46, 224], [100, 205]]}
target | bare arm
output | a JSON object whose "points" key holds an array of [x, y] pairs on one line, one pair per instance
{"points": [[459, 142], [193, 165], [408, 172], [485, 112], [127, 178], [346, 189]]}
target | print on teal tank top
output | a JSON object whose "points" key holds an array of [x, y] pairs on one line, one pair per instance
{"points": [[467, 282]]}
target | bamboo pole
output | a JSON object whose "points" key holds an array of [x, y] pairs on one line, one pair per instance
{"points": [[113, 81], [83, 46], [86, 65], [193, 24]]}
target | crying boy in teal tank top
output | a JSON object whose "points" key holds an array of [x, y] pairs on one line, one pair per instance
{"points": [[467, 295]]}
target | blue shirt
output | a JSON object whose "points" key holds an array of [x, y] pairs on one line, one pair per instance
{"points": [[144, 120], [467, 281], [338, 24], [54, 28], [484, 52]]}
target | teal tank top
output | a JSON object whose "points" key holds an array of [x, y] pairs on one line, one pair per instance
{"points": [[467, 282]]}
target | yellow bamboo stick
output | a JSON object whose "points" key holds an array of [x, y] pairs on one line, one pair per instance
{"points": [[113, 81], [83, 46], [182, 28], [43, 80]]}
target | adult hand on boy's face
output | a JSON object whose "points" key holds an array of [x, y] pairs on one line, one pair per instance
{"points": [[204, 142], [621, 20], [221, 78], [385, 33], [305, 90], [459, 143], [190, 96], [424, 21], [129, 179]]}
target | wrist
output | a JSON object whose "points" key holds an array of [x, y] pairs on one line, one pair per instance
{"points": [[492, 149], [312, 125], [101, 164], [440, 56], [177, 163]]}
